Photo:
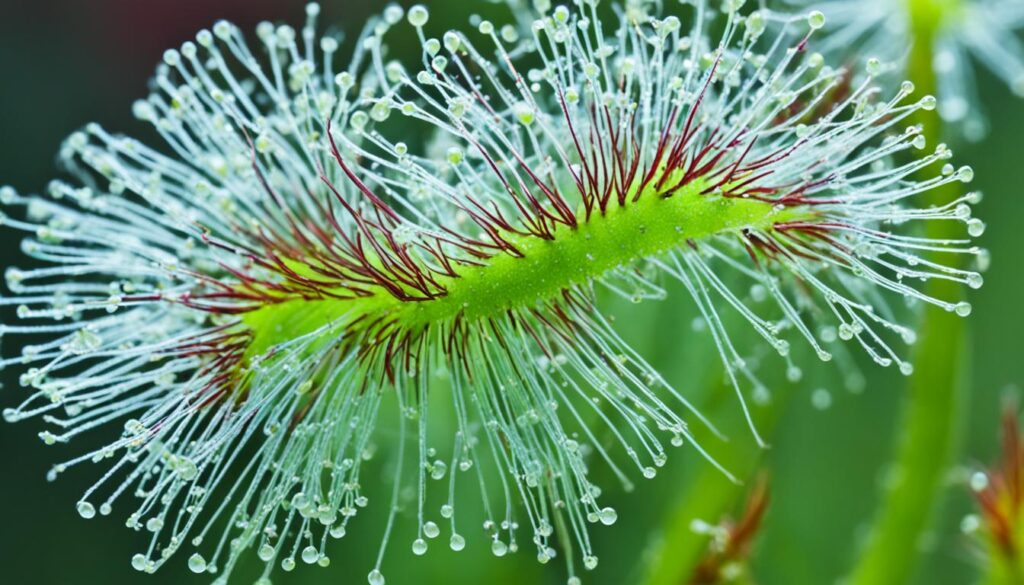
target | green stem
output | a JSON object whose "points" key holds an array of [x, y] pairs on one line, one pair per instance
{"points": [[709, 496], [648, 225], [936, 400]]}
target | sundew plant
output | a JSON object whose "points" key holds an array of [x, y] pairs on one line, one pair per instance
{"points": [[328, 241], [964, 32]]}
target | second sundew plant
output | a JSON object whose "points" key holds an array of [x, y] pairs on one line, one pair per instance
{"points": [[238, 309], [965, 33]]}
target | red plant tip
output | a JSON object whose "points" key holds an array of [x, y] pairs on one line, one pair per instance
{"points": [[998, 492], [732, 542]]}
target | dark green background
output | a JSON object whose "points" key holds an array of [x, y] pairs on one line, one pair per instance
{"points": [[65, 62]]}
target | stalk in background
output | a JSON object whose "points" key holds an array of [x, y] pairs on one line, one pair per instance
{"points": [[936, 400]]}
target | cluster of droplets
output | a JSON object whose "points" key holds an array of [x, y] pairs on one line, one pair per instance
{"points": [[985, 32]]}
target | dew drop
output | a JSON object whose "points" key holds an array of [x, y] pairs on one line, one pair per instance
{"points": [[979, 481], [139, 562], [963, 309], [816, 20], [49, 439], [499, 548], [874, 67], [172, 57], [457, 542], [970, 524], [196, 563], [310, 554], [222, 29], [431, 530], [418, 16], [608, 516], [821, 399], [794, 374], [455, 155], [375, 577], [983, 260], [344, 80], [452, 42], [419, 547], [393, 13], [965, 174], [783, 347], [86, 510], [976, 228], [524, 113], [432, 47], [266, 552], [359, 120], [381, 110], [263, 144]]}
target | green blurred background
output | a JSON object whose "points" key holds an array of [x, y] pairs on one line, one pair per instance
{"points": [[67, 62]]}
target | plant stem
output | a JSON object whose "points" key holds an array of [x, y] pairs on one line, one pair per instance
{"points": [[936, 399], [709, 496]]}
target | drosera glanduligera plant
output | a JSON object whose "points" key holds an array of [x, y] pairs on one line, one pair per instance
{"points": [[965, 32], [245, 303], [996, 530]]}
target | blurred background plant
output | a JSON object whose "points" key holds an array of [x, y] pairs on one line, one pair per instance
{"points": [[999, 524], [64, 63], [963, 36]]}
